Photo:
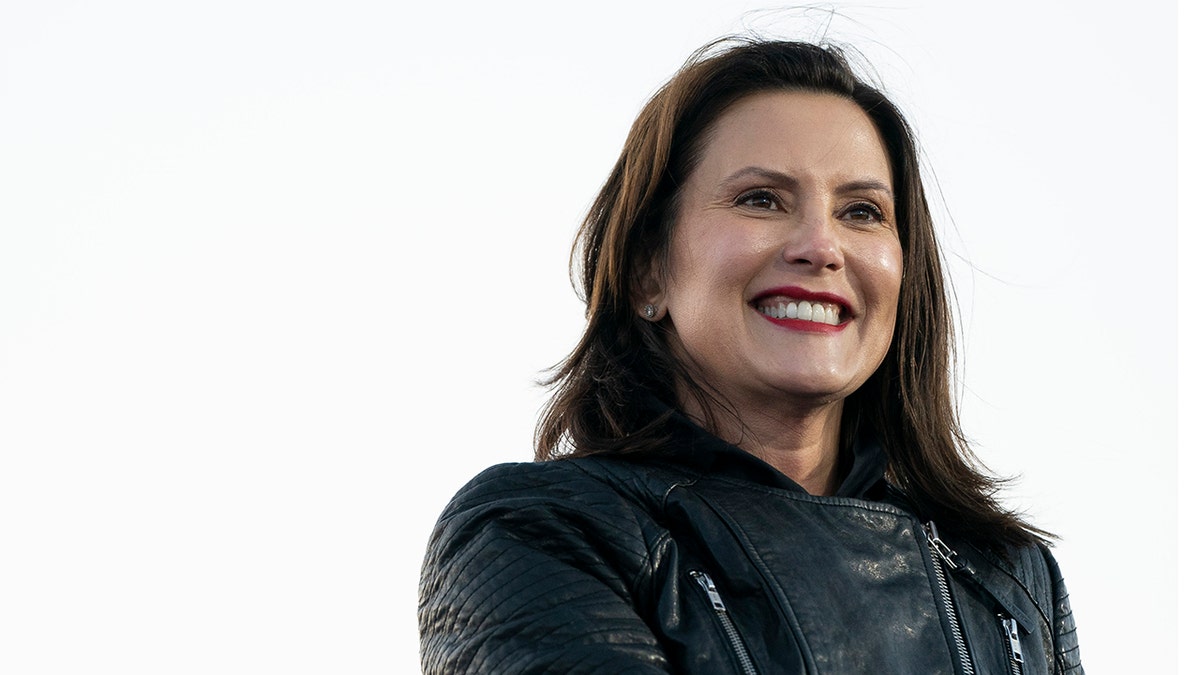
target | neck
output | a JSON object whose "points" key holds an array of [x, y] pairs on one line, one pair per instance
{"points": [[802, 443]]}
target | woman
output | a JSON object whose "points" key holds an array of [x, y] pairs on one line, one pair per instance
{"points": [[757, 463]]}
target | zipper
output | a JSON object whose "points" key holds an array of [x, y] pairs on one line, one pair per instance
{"points": [[1016, 660], [718, 605], [1009, 626], [946, 557]]}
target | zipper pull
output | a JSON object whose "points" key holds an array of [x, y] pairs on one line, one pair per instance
{"points": [[1014, 640], [710, 588], [731, 633], [940, 547]]}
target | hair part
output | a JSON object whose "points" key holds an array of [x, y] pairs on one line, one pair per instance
{"points": [[621, 359]]}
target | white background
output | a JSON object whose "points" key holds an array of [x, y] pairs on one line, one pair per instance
{"points": [[276, 278]]}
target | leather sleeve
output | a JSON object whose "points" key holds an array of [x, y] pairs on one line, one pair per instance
{"points": [[534, 568], [1066, 641]]}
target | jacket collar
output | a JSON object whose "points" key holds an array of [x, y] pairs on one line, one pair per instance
{"points": [[703, 452]]}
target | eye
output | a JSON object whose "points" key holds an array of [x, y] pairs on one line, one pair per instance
{"points": [[863, 212], [759, 199]]}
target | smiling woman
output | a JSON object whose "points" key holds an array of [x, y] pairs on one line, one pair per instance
{"points": [[789, 212], [751, 462]]}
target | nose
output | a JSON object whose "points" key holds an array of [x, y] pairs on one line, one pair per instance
{"points": [[815, 241]]}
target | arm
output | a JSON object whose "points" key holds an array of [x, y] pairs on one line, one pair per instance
{"points": [[534, 569], [1066, 641]]}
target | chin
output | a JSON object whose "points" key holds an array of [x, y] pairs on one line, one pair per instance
{"points": [[814, 391]]}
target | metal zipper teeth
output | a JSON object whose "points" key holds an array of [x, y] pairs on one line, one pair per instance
{"points": [[1016, 660], [718, 605], [943, 553]]}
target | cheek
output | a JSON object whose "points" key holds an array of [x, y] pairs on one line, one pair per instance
{"points": [[884, 267], [886, 270], [716, 260]]}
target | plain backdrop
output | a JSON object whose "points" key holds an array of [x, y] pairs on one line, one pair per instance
{"points": [[277, 278]]}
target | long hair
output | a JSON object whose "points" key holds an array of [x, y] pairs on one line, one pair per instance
{"points": [[907, 403]]}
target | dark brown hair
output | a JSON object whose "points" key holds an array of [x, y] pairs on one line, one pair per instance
{"points": [[620, 359]]}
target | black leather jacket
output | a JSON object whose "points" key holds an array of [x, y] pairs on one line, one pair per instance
{"points": [[704, 559]]}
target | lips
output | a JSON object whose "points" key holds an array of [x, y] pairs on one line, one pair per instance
{"points": [[797, 304]]}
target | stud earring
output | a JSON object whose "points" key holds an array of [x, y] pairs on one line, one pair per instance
{"points": [[649, 311]]}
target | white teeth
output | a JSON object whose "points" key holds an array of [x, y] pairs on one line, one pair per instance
{"points": [[804, 310]]}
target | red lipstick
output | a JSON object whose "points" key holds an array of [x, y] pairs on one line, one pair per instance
{"points": [[775, 299]]}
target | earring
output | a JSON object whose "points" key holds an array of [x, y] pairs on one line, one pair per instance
{"points": [[649, 311]]}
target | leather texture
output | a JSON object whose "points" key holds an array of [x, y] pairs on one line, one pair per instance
{"points": [[589, 566]]}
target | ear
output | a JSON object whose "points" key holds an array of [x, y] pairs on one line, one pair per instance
{"points": [[650, 292]]}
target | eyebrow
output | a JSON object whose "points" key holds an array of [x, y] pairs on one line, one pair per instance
{"points": [[789, 180], [759, 172], [866, 184]]}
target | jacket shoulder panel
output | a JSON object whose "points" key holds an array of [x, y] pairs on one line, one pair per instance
{"points": [[1035, 571], [534, 568], [1066, 651]]}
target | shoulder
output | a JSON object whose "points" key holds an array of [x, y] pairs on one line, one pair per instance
{"points": [[546, 479], [1038, 568], [517, 484], [1031, 571], [579, 511], [595, 487], [536, 565], [1033, 568]]}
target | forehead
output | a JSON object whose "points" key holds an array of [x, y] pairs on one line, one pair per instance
{"points": [[797, 132]]}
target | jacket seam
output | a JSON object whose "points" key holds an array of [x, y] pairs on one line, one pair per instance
{"points": [[1049, 625], [778, 596], [846, 502]]}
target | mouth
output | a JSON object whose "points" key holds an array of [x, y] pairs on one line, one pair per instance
{"points": [[803, 310], [800, 305]]}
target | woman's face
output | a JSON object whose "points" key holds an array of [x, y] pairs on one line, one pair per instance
{"points": [[784, 267]]}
